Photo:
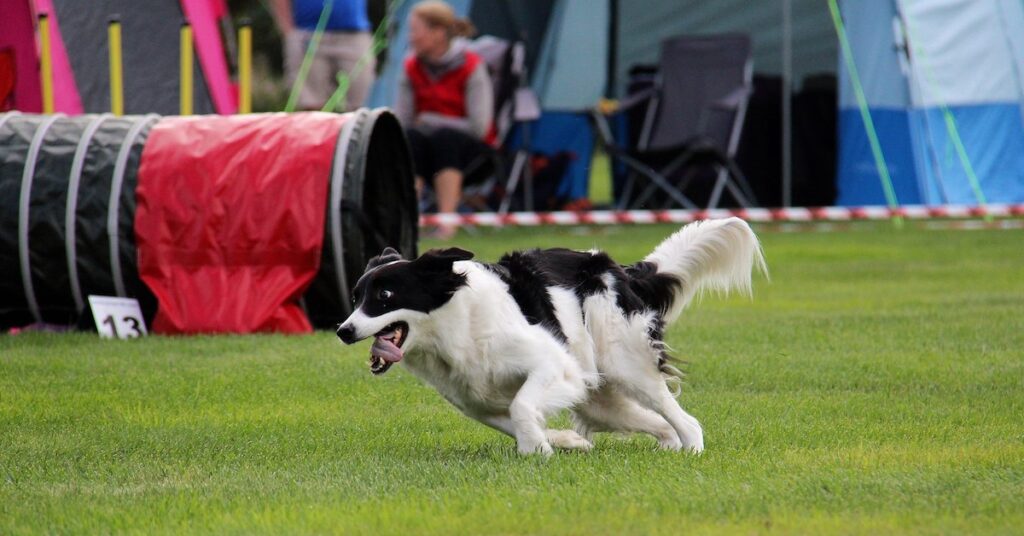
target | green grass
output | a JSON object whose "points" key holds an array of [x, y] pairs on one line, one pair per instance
{"points": [[875, 385], [600, 192]]}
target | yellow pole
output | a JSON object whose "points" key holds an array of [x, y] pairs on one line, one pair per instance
{"points": [[186, 69], [245, 68], [46, 63], [116, 74]]}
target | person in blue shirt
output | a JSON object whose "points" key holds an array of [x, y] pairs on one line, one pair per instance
{"points": [[346, 41]]}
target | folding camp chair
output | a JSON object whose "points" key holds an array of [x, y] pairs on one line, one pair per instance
{"points": [[694, 118], [515, 104]]}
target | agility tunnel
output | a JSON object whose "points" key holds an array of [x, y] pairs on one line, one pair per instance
{"points": [[244, 223]]}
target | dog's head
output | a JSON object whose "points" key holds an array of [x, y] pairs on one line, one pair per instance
{"points": [[394, 296]]}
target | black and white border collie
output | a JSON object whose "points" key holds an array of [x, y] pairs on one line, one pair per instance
{"points": [[540, 331]]}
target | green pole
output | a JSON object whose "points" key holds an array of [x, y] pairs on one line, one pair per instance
{"points": [[379, 42], [862, 103], [307, 60], [950, 122]]}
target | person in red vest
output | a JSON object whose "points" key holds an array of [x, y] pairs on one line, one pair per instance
{"points": [[445, 101]]}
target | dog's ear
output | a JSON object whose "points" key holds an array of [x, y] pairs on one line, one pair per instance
{"points": [[388, 255], [440, 260]]}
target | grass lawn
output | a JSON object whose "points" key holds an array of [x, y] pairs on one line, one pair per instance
{"points": [[875, 385]]}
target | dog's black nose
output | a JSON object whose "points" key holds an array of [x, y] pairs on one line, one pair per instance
{"points": [[347, 334]]}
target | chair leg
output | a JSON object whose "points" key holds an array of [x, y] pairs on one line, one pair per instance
{"points": [[646, 194], [527, 185], [678, 187], [659, 183], [721, 179], [627, 191], [741, 180], [656, 179], [513, 181], [737, 194], [683, 183]]}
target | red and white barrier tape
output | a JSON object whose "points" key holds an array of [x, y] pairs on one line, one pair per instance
{"points": [[823, 214]]}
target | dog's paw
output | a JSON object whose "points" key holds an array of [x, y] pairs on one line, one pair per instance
{"points": [[676, 445], [694, 447], [671, 442], [542, 448], [692, 437], [567, 439]]}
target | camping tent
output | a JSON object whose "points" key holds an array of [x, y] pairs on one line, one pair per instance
{"points": [[581, 50], [944, 83], [80, 59]]}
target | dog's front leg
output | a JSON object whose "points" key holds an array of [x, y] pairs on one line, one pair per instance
{"points": [[501, 423], [528, 408], [561, 439]]}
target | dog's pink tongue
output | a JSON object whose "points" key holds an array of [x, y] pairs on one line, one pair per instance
{"points": [[386, 350]]}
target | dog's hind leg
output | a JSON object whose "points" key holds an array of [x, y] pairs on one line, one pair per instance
{"points": [[652, 393], [629, 365], [609, 411], [567, 439]]}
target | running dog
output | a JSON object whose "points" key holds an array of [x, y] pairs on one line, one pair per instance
{"points": [[540, 331]]}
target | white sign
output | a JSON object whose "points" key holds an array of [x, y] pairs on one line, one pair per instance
{"points": [[117, 318]]}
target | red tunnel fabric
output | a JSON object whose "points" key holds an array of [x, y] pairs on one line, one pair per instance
{"points": [[230, 219]]}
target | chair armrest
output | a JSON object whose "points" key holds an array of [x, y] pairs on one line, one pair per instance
{"points": [[733, 100], [637, 98], [527, 105], [601, 112], [610, 107]]}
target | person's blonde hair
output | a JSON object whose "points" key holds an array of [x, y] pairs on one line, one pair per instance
{"points": [[438, 14]]}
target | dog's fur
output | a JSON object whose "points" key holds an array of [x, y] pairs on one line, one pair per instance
{"points": [[540, 331]]}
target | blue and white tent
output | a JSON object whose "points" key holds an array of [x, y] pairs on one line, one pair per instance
{"points": [[944, 83], [943, 80]]}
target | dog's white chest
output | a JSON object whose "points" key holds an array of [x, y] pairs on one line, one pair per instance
{"points": [[480, 389]]}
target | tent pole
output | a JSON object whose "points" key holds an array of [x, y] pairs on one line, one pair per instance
{"points": [[787, 92], [613, 45]]}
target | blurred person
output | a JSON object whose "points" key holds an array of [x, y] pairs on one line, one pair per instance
{"points": [[446, 103], [346, 41]]}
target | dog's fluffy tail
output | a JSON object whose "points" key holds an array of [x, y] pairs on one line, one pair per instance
{"points": [[716, 255]]}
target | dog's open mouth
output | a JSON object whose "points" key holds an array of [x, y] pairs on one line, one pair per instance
{"points": [[387, 347]]}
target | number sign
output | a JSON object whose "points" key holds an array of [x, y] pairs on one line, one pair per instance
{"points": [[117, 318]]}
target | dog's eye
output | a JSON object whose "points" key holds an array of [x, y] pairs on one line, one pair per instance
{"points": [[385, 294]]}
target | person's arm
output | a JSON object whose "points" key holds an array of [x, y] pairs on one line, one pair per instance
{"points": [[479, 101], [282, 12], [433, 121]]}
